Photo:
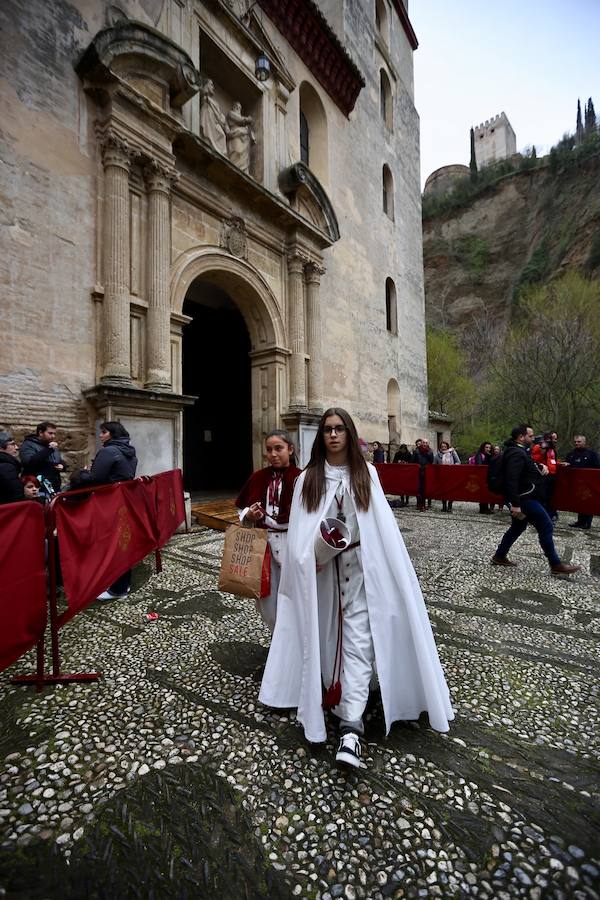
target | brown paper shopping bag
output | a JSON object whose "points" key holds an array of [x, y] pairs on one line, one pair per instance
{"points": [[246, 563]]}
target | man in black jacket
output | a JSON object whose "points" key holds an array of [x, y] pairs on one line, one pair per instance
{"points": [[423, 456], [40, 456], [115, 461], [582, 457], [524, 491]]}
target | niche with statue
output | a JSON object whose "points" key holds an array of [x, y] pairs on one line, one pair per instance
{"points": [[230, 110]]}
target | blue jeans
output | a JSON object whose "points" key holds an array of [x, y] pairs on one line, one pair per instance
{"points": [[535, 515]]}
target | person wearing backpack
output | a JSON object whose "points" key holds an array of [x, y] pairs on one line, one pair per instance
{"points": [[523, 486]]}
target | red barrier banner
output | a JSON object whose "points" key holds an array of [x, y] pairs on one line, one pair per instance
{"points": [[577, 490], [458, 483], [170, 508], [102, 534], [23, 602], [399, 478]]}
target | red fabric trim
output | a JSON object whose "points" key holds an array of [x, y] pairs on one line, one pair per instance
{"points": [[577, 490], [458, 483], [103, 532], [255, 491], [399, 478], [23, 607]]}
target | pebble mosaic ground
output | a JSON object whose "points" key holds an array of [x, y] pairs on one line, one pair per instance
{"points": [[167, 779]]}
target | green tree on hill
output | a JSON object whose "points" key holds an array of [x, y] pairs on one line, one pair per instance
{"points": [[590, 118], [579, 125], [547, 372]]}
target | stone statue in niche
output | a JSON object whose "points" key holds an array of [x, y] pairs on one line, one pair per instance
{"points": [[213, 122], [240, 137]]}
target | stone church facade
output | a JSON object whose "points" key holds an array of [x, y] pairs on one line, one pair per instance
{"points": [[211, 225]]}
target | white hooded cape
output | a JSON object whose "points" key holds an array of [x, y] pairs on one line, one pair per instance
{"points": [[408, 666]]}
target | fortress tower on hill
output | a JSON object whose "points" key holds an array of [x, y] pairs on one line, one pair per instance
{"points": [[494, 140]]}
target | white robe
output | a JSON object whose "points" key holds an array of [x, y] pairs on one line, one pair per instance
{"points": [[407, 662]]}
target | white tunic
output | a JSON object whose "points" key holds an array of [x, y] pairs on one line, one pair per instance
{"points": [[408, 666]]}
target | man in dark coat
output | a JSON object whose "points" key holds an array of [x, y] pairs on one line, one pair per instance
{"points": [[524, 491], [423, 456], [40, 455], [582, 457], [115, 461]]}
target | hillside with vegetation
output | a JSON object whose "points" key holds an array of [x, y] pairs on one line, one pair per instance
{"points": [[505, 247]]}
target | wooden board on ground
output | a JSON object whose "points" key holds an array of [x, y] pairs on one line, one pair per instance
{"points": [[217, 514]]}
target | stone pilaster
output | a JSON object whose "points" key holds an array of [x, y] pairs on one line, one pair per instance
{"points": [[115, 339], [296, 320], [312, 275], [159, 179]]}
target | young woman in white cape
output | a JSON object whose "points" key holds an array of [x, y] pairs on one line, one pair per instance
{"points": [[384, 627]]}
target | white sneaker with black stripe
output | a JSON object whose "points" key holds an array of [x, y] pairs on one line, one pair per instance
{"points": [[349, 751]]}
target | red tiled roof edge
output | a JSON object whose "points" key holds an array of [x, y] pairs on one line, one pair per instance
{"points": [[311, 36]]}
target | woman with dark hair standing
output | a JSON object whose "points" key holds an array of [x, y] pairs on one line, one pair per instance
{"points": [[378, 452], [115, 461], [359, 614], [404, 457], [265, 501], [482, 458]]}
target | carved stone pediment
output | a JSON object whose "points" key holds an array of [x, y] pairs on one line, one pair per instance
{"points": [[308, 197], [145, 59]]}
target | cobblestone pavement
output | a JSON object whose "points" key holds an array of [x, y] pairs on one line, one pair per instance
{"points": [[167, 779]]}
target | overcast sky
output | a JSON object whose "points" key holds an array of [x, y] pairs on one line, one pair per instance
{"points": [[476, 58]]}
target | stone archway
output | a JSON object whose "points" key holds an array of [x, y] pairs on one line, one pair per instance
{"points": [[249, 294]]}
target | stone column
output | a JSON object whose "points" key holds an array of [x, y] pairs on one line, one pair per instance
{"points": [[296, 320], [158, 180], [312, 274], [115, 353]]}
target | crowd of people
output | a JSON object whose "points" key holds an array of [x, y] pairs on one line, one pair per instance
{"points": [[356, 621], [543, 450], [37, 471]]}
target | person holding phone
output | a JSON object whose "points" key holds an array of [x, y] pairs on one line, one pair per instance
{"points": [[265, 501]]}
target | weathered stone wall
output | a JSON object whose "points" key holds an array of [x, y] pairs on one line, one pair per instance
{"points": [[54, 216], [360, 355], [48, 228]]}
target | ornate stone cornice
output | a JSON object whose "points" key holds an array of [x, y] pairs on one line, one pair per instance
{"points": [[308, 32], [130, 45], [159, 177], [299, 175]]}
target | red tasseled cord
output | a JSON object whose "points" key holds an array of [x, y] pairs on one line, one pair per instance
{"points": [[333, 694]]}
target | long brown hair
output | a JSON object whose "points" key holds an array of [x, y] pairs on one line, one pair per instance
{"points": [[314, 479]]}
